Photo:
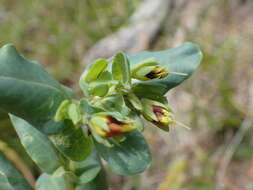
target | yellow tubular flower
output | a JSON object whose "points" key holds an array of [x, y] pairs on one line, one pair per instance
{"points": [[108, 126]]}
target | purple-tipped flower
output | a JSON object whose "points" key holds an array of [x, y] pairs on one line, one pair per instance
{"points": [[157, 113]]}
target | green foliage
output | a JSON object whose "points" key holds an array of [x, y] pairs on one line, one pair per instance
{"points": [[35, 96], [87, 170], [42, 93], [10, 178], [70, 140], [54, 127], [98, 183], [55, 181], [121, 68], [183, 59], [132, 156], [37, 145]]}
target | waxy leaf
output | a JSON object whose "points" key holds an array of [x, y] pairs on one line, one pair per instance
{"points": [[121, 68], [88, 169], [37, 145], [46, 182], [28, 92], [98, 183], [131, 156], [26, 88], [8, 173], [69, 140], [183, 59], [56, 181]]}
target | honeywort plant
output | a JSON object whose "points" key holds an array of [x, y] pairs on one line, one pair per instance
{"points": [[67, 137]]}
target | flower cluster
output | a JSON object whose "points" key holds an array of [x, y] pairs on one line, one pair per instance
{"points": [[111, 107]]}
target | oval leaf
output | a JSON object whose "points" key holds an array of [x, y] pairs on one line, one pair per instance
{"points": [[69, 140], [37, 145], [94, 70], [46, 182], [99, 183], [28, 92], [183, 59], [121, 68], [26, 88], [88, 169], [131, 156]]}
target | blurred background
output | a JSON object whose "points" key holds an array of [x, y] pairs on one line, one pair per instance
{"points": [[217, 102]]}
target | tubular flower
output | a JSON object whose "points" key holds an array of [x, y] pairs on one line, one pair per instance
{"points": [[157, 73], [108, 126], [157, 113], [150, 72]]}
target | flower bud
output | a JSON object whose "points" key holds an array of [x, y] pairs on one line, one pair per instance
{"points": [[157, 113], [164, 116], [150, 72], [107, 125]]}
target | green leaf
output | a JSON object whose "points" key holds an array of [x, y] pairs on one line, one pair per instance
{"points": [[70, 140], [37, 145], [62, 111], [46, 182], [28, 92], [105, 77], [56, 181], [98, 89], [112, 103], [99, 183], [88, 169], [134, 100], [183, 59], [131, 156], [87, 108], [11, 175], [26, 88], [94, 74], [74, 113], [94, 70], [121, 68]]}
